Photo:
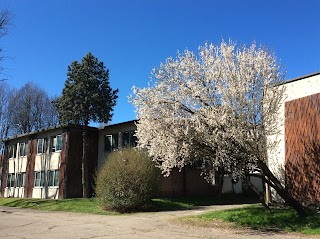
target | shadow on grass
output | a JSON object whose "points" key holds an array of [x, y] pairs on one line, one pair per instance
{"points": [[188, 203]]}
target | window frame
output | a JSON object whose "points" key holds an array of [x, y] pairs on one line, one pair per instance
{"points": [[113, 143], [12, 151], [54, 144], [42, 148], [53, 178], [10, 182], [39, 182], [20, 181], [132, 139], [23, 149]]}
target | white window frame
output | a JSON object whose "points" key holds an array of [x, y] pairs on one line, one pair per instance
{"points": [[42, 149], [23, 176], [54, 147], [41, 179], [53, 178], [10, 180], [23, 149], [112, 136], [12, 151]]}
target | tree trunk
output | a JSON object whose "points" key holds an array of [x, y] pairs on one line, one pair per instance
{"points": [[260, 195], [220, 181], [85, 170], [284, 194]]}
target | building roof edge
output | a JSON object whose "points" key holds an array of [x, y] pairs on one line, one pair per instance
{"points": [[300, 78]]}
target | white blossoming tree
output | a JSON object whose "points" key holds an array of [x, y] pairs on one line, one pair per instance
{"points": [[215, 109]]}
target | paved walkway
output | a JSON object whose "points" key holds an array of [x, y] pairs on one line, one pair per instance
{"points": [[26, 223]]}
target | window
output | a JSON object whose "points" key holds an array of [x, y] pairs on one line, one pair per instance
{"points": [[129, 139], [10, 180], [40, 146], [111, 142], [20, 179], [57, 143], [54, 177], [39, 179], [23, 149], [12, 151]]}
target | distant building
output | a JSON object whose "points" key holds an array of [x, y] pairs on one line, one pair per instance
{"points": [[47, 164]]}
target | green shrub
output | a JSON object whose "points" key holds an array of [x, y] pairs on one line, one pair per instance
{"points": [[128, 181]]}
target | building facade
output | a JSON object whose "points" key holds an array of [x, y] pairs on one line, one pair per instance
{"points": [[47, 164], [296, 159], [187, 182]]}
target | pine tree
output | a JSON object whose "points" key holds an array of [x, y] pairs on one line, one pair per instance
{"points": [[86, 97]]}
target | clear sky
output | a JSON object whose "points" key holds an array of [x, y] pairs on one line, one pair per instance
{"points": [[133, 36]]}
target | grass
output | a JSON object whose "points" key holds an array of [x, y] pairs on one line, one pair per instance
{"points": [[255, 217], [85, 205]]}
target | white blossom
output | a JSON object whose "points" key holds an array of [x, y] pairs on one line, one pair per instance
{"points": [[211, 108]]}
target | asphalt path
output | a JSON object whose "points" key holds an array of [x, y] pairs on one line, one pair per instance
{"points": [[27, 223]]}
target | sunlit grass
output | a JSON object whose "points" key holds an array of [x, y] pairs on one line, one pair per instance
{"points": [[83, 205], [255, 217]]}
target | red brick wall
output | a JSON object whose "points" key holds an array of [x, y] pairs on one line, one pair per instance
{"points": [[302, 148]]}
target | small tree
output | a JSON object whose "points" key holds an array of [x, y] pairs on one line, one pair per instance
{"points": [[86, 96], [128, 180], [217, 108]]}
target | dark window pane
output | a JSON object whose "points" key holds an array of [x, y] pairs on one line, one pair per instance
{"points": [[56, 177], [126, 139]]}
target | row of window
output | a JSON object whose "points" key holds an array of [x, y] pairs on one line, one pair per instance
{"points": [[55, 145], [11, 180], [53, 178], [18, 180], [119, 140]]}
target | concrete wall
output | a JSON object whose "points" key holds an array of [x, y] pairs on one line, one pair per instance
{"points": [[295, 89]]}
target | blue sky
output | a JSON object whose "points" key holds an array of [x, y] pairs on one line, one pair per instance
{"points": [[132, 37]]}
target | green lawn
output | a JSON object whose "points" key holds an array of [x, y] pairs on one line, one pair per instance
{"points": [[281, 219], [92, 205], [83, 205]]}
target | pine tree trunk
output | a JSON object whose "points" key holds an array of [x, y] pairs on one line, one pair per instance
{"points": [[284, 194], [85, 171]]}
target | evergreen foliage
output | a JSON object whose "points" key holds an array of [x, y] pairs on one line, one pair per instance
{"points": [[87, 95]]}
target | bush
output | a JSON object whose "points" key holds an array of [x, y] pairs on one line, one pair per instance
{"points": [[128, 181]]}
